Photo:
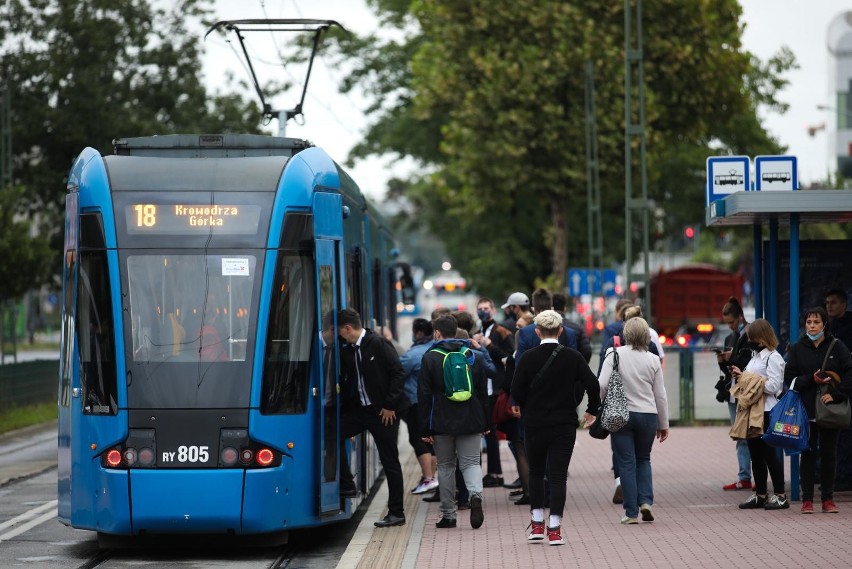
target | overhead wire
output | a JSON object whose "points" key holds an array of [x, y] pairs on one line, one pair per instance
{"points": [[295, 80]]}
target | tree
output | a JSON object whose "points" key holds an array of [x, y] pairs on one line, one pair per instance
{"points": [[22, 252], [491, 102], [86, 72]]}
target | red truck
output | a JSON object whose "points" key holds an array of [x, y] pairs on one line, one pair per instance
{"points": [[690, 296]]}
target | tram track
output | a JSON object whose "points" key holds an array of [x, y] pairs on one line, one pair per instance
{"points": [[115, 558]]}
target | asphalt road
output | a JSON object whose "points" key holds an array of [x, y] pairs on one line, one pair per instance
{"points": [[31, 536]]}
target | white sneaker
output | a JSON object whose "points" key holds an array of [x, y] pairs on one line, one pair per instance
{"points": [[426, 484]]}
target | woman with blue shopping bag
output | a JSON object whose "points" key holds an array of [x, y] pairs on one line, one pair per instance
{"points": [[819, 367], [767, 363]]}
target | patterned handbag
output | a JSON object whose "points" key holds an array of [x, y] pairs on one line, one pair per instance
{"points": [[615, 414]]}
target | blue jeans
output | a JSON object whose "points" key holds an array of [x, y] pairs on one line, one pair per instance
{"points": [[743, 456], [632, 447]]}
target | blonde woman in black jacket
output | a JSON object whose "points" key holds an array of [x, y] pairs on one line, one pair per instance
{"points": [[804, 360]]}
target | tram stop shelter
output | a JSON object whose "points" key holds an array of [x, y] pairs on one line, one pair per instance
{"points": [[781, 296]]}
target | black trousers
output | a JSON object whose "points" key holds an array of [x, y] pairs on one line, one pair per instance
{"points": [[823, 441], [549, 450], [354, 422], [412, 419], [765, 459]]}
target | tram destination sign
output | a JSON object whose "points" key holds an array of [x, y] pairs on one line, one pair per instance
{"points": [[188, 219]]}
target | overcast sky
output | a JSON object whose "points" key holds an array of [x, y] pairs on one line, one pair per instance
{"points": [[336, 122]]}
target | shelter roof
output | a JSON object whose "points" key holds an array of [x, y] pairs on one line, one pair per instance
{"points": [[813, 206]]}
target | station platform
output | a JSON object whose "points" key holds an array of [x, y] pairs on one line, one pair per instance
{"points": [[698, 525]]}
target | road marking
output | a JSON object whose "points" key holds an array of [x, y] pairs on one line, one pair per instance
{"points": [[28, 515]]}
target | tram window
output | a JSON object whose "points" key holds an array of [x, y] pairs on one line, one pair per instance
{"points": [[95, 335], [378, 308], [190, 327], [353, 280], [190, 307], [292, 326]]}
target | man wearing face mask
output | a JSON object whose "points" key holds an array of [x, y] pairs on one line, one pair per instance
{"points": [[513, 308], [498, 341]]}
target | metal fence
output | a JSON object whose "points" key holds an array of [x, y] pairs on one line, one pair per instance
{"points": [[690, 376], [28, 383]]}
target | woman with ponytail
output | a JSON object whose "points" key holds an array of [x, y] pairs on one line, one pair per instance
{"points": [[736, 353]]}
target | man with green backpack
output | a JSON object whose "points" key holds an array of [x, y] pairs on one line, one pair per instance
{"points": [[453, 400]]}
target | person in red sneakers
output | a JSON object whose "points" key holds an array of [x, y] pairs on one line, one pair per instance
{"points": [[812, 353], [548, 385]]}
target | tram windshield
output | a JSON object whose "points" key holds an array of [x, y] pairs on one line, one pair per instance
{"points": [[190, 328]]}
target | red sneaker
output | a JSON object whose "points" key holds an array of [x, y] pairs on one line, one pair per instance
{"points": [[554, 536], [738, 485], [807, 507], [536, 532], [829, 507]]}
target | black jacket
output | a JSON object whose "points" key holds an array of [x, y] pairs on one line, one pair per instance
{"points": [[383, 374], [804, 358], [740, 356], [554, 399], [842, 329], [438, 414], [501, 347]]}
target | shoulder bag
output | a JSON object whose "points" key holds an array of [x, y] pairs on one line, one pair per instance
{"points": [[596, 431], [615, 413], [834, 415]]}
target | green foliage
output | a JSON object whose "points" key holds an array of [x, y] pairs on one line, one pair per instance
{"points": [[489, 97], [20, 417], [24, 254], [84, 73]]}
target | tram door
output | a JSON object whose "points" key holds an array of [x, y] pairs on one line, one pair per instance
{"points": [[328, 306]]}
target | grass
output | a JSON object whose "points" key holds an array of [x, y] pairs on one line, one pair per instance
{"points": [[25, 346], [19, 417]]}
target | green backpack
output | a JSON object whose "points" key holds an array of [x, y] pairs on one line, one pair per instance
{"points": [[458, 385]]}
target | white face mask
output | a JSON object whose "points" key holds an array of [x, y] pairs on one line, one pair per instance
{"points": [[817, 336]]}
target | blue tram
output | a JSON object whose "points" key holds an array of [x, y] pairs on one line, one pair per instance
{"points": [[196, 392]]}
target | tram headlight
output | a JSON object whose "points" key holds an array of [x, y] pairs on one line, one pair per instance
{"points": [[229, 456], [246, 456], [130, 456], [146, 456]]}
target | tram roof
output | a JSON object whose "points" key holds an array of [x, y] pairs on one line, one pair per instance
{"points": [[813, 206]]}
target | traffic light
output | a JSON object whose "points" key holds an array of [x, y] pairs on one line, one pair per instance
{"points": [[689, 232]]}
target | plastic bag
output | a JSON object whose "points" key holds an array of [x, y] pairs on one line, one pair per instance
{"points": [[788, 424]]}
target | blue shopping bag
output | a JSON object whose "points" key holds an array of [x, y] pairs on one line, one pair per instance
{"points": [[788, 424]]}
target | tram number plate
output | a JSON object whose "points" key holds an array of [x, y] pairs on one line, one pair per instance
{"points": [[187, 454]]}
